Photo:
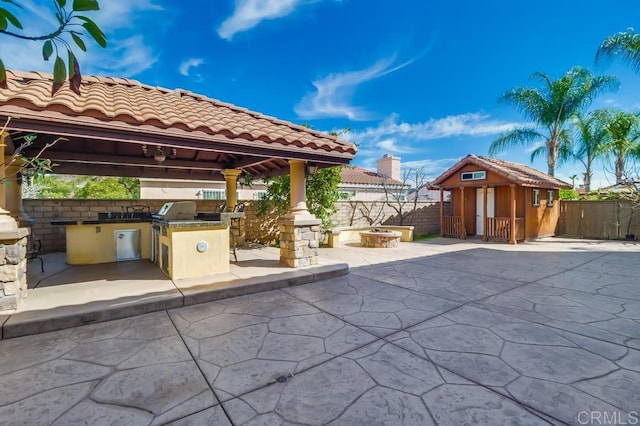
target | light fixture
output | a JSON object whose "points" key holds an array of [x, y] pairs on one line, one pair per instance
{"points": [[145, 150], [242, 179], [174, 153], [310, 170], [159, 155], [25, 175]]}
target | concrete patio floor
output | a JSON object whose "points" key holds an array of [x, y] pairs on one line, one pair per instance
{"points": [[436, 332]]}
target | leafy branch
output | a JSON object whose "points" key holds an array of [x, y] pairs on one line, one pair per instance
{"points": [[54, 42]]}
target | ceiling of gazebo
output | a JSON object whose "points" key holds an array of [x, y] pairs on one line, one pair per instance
{"points": [[115, 127]]}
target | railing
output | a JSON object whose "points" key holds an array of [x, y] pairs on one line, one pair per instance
{"points": [[452, 226], [499, 228]]}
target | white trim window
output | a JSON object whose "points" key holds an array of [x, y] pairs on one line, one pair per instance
{"points": [[550, 198], [259, 194], [479, 175], [214, 194], [536, 198]]}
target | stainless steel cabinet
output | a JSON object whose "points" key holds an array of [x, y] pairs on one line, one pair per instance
{"points": [[127, 244]]}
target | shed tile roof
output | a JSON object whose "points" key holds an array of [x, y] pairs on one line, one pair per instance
{"points": [[128, 101], [359, 176], [514, 172]]}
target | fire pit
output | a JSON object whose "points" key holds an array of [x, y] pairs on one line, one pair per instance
{"points": [[380, 238]]}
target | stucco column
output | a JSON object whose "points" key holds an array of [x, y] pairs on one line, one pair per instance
{"points": [[3, 137], [231, 179], [13, 194], [298, 189]]}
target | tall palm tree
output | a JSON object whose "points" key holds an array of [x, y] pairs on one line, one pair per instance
{"points": [[624, 143], [590, 140], [551, 109], [624, 45]]}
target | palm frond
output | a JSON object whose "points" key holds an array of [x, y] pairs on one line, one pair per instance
{"points": [[518, 136], [538, 152], [624, 45]]}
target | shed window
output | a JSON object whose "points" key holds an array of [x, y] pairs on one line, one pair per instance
{"points": [[536, 197], [473, 175], [550, 198]]}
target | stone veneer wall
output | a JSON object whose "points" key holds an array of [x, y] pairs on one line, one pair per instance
{"points": [[263, 230], [13, 273]]}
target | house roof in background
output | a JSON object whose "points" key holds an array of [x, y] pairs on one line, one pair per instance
{"points": [[112, 117], [359, 176], [514, 172]]}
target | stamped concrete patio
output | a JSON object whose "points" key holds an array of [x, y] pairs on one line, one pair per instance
{"points": [[439, 332]]}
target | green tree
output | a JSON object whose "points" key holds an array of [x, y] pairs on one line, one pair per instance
{"points": [[106, 188], [551, 109], [624, 143], [624, 45], [69, 22], [322, 194], [589, 142], [49, 186]]}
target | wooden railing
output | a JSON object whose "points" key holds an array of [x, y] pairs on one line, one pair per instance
{"points": [[452, 226], [499, 228]]}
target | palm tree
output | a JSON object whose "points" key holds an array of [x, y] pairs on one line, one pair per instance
{"points": [[589, 141], [551, 109], [625, 45], [624, 139]]}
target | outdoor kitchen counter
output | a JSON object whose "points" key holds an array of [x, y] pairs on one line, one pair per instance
{"points": [[104, 241]]}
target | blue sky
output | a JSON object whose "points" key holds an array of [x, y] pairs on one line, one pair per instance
{"points": [[414, 78]]}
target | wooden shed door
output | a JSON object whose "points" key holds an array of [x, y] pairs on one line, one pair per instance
{"points": [[480, 208]]}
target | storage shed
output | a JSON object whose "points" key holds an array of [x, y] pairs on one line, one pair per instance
{"points": [[499, 200]]}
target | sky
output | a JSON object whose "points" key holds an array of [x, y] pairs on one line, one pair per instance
{"points": [[418, 79]]}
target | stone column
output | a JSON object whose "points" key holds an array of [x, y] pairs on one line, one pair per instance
{"points": [[13, 263], [299, 229], [231, 179]]}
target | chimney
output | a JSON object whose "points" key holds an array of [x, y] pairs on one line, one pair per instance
{"points": [[389, 166]]}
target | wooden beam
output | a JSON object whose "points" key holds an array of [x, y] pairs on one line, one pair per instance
{"points": [[249, 162], [48, 122], [462, 232], [133, 171], [125, 160], [512, 224], [485, 190], [441, 212]]}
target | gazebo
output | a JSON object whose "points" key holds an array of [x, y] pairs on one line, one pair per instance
{"points": [[120, 127], [499, 200]]}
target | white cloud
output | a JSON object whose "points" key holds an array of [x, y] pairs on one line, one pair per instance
{"points": [[186, 66], [470, 124], [431, 168], [391, 146], [126, 57], [249, 13], [332, 97]]}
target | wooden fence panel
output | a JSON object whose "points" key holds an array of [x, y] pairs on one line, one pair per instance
{"points": [[607, 219]]}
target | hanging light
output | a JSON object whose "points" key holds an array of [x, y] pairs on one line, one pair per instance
{"points": [[145, 150], [242, 179], [311, 169], [159, 155]]}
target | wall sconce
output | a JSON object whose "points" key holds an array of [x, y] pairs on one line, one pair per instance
{"points": [[174, 153], [159, 155], [242, 179], [310, 170], [25, 175], [145, 150]]}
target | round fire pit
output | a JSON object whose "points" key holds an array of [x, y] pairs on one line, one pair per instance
{"points": [[380, 238]]}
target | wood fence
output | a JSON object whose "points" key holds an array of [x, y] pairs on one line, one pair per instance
{"points": [[610, 219]]}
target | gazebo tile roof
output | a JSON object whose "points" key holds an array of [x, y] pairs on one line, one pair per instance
{"points": [[132, 102]]}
